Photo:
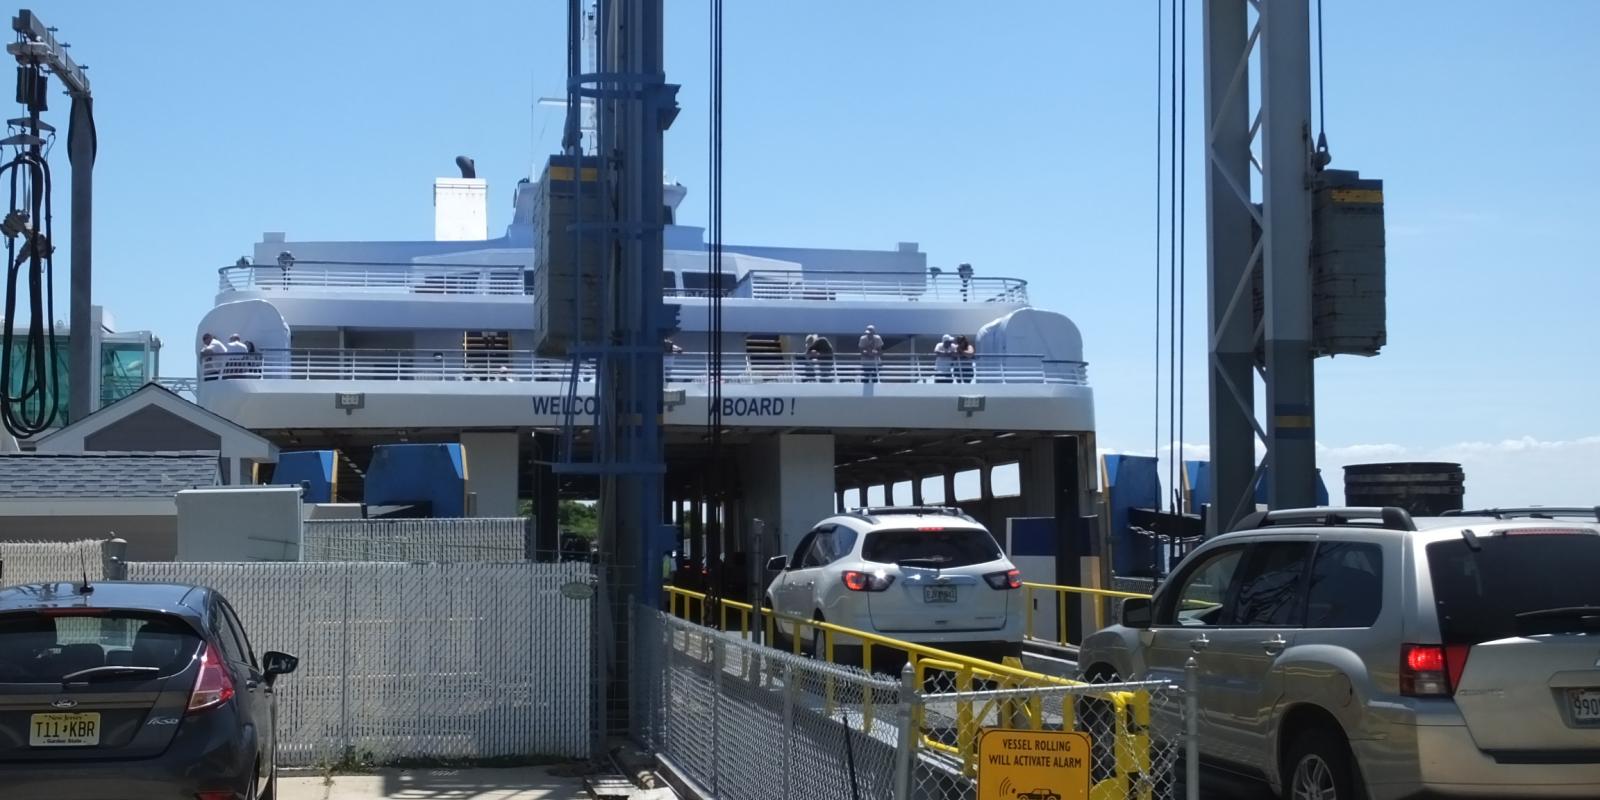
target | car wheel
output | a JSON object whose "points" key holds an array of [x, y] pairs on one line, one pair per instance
{"points": [[1318, 767], [251, 789]]}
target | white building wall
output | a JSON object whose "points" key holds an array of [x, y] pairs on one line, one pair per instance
{"points": [[460, 209], [491, 465]]}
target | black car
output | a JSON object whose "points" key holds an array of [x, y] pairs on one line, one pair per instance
{"points": [[112, 690]]}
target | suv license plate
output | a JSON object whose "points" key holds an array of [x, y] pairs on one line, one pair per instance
{"points": [[64, 730], [938, 594], [1585, 705]]}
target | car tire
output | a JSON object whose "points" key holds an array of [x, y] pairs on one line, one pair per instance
{"points": [[271, 792], [1318, 766]]}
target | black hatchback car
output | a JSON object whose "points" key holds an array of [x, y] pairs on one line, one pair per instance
{"points": [[113, 691]]}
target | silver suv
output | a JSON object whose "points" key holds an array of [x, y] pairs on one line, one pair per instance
{"points": [[1341, 650]]}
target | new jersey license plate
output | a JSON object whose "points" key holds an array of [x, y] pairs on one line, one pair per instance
{"points": [[64, 730], [938, 594], [1585, 705]]}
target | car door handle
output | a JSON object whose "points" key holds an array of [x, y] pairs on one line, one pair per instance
{"points": [[1274, 645], [1199, 643]]}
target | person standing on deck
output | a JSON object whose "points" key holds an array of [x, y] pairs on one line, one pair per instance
{"points": [[944, 359], [871, 346]]}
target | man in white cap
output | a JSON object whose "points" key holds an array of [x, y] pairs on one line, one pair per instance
{"points": [[944, 360], [237, 349], [871, 346]]}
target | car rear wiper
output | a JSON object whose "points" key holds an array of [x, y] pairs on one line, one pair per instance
{"points": [[922, 563], [1559, 620], [107, 671]]}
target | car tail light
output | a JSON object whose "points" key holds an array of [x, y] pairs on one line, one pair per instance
{"points": [[213, 687], [1431, 670], [1010, 579], [931, 528], [866, 581]]}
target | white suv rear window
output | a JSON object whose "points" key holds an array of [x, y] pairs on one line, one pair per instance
{"points": [[945, 548]]}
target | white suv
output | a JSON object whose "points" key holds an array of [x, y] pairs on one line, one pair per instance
{"points": [[928, 575]]}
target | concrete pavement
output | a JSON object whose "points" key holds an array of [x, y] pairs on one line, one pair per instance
{"points": [[522, 783]]}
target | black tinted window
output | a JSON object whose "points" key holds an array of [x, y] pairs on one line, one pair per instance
{"points": [[959, 547], [801, 549], [1346, 586], [238, 628], [1270, 582], [1197, 600], [35, 648], [232, 643], [1479, 594], [821, 551]]}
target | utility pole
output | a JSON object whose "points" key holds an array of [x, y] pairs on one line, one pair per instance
{"points": [[1270, 239], [37, 45]]}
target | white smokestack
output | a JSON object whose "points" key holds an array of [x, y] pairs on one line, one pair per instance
{"points": [[460, 209]]}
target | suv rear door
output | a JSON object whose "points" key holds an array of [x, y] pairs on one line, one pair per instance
{"points": [[941, 586], [1520, 620], [93, 683]]}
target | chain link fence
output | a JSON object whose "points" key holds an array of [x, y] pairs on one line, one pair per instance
{"points": [[445, 540], [46, 562], [415, 661], [739, 720]]}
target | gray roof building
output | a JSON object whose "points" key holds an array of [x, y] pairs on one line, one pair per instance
{"points": [[62, 476]]}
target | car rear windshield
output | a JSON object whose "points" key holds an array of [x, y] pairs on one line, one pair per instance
{"points": [[36, 647], [1480, 593], [944, 548]]}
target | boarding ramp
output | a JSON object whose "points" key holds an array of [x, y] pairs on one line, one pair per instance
{"points": [[736, 718]]}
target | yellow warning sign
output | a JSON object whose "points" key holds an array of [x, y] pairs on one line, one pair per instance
{"points": [[1033, 765]]}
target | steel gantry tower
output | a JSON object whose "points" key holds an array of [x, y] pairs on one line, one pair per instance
{"points": [[1296, 274], [1280, 254]]}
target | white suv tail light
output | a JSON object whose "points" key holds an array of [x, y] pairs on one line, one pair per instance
{"points": [[857, 581], [1010, 579]]}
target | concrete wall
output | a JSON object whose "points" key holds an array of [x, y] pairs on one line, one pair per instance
{"points": [[789, 485], [260, 523], [150, 538], [491, 466]]}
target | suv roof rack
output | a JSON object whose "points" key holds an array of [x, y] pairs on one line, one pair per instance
{"points": [[871, 513], [1388, 517], [1534, 512]]}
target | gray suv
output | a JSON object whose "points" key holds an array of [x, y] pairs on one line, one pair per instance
{"points": [[1357, 652]]}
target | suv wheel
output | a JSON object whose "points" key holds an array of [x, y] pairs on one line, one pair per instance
{"points": [[1319, 767]]}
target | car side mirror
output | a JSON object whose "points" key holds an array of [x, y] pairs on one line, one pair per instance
{"points": [[1136, 612], [777, 563], [274, 663]]}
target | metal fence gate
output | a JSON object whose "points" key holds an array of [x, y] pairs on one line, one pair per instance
{"points": [[415, 661]]}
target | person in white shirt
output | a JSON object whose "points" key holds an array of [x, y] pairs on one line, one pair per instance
{"points": [[233, 365], [211, 351], [871, 346], [944, 359]]}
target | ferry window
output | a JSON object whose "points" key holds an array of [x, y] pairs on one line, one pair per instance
{"points": [[669, 280]]}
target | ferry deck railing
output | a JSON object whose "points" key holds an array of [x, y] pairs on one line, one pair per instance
{"points": [[684, 368], [491, 280]]}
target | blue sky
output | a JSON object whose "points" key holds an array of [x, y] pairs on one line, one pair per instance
{"points": [[1021, 142]]}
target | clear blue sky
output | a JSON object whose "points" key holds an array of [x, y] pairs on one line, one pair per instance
{"points": [[1019, 140]]}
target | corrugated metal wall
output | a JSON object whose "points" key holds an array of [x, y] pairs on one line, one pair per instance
{"points": [[415, 661]]}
